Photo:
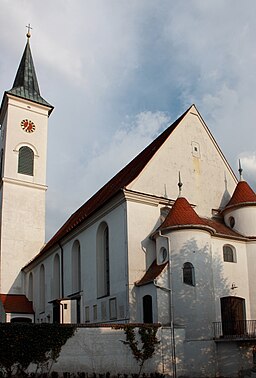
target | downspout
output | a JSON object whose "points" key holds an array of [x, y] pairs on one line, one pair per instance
{"points": [[61, 280], [171, 311]]}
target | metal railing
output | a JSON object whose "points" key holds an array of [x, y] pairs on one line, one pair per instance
{"points": [[239, 329]]}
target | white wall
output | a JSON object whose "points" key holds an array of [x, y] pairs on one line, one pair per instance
{"points": [[207, 180], [116, 221]]}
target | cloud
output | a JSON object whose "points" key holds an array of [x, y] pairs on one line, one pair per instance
{"points": [[134, 135], [248, 163]]}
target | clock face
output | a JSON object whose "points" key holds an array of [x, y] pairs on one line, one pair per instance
{"points": [[28, 126]]}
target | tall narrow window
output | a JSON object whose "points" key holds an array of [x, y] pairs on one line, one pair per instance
{"points": [[188, 274], [56, 277], [42, 288], [26, 161], [147, 309], [30, 286], [103, 273], [76, 267]]}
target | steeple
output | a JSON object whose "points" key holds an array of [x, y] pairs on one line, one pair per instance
{"points": [[25, 84]]}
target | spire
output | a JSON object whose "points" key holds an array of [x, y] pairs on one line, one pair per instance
{"points": [[25, 84], [182, 215], [180, 185], [242, 196], [240, 170]]}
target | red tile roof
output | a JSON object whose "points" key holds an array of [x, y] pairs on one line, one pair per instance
{"points": [[182, 214], [16, 303], [242, 196], [221, 229], [117, 183], [152, 273]]}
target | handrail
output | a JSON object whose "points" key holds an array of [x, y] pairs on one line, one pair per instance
{"points": [[237, 329]]}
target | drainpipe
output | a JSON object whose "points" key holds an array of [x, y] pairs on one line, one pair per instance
{"points": [[62, 270], [171, 311]]}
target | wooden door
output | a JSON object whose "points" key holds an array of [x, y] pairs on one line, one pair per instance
{"points": [[233, 316]]}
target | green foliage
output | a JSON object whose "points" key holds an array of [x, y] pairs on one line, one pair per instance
{"points": [[147, 344], [22, 344]]}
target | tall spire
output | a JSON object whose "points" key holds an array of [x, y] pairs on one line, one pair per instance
{"points": [[25, 83]]}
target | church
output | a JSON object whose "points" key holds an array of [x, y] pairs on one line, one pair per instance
{"points": [[170, 239]]}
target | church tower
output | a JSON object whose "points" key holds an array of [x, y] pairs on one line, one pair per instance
{"points": [[23, 148]]}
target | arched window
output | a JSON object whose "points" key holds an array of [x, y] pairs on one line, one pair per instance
{"points": [[188, 274], [229, 253], [76, 267], [103, 274], [147, 309], [30, 286], [56, 277], [26, 161], [42, 289]]}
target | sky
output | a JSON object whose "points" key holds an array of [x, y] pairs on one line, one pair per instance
{"points": [[119, 72]]}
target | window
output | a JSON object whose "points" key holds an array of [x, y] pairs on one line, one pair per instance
{"points": [[26, 161], [163, 254], [188, 274], [76, 267], [30, 286], [103, 274], [87, 314], [42, 289], [56, 277], [147, 309], [112, 308], [229, 253], [195, 149]]}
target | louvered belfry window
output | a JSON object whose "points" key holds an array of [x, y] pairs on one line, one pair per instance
{"points": [[26, 161]]}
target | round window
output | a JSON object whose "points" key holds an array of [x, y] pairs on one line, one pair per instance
{"points": [[231, 222], [163, 255]]}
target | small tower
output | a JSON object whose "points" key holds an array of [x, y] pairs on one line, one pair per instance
{"points": [[23, 147]]}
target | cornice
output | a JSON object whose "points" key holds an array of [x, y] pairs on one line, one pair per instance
{"points": [[24, 183]]}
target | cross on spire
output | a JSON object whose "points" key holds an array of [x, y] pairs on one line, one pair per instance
{"points": [[29, 28]]}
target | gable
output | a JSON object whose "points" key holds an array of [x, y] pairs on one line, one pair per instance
{"points": [[207, 178]]}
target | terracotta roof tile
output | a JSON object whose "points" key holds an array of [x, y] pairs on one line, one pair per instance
{"points": [[117, 183], [221, 229], [153, 272], [243, 195], [16, 303], [182, 214]]}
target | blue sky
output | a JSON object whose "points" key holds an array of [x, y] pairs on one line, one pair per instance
{"points": [[118, 72]]}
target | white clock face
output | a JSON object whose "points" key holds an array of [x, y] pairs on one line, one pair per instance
{"points": [[28, 125]]}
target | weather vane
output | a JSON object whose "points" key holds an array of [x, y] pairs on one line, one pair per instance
{"points": [[29, 28]]}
